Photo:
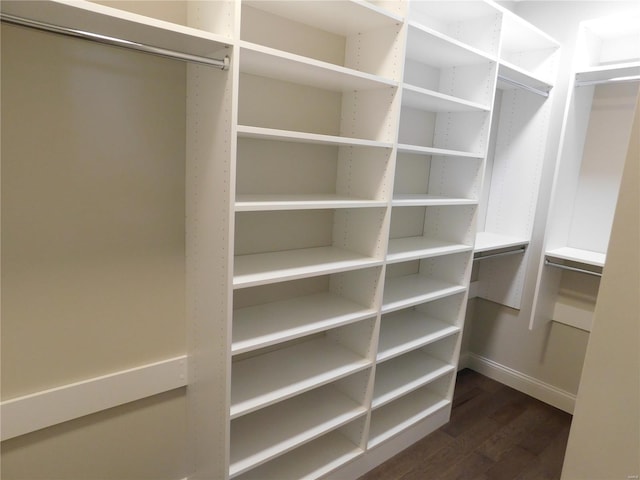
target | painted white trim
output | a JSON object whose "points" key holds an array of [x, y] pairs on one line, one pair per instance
{"points": [[522, 382], [49, 407]]}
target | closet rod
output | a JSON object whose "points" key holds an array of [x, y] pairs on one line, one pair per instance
{"points": [[573, 269], [500, 254], [524, 86], [629, 79], [222, 64]]}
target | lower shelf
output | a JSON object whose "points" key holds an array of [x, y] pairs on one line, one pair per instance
{"points": [[273, 431], [310, 461], [391, 419]]}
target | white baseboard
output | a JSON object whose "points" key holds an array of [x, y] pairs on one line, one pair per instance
{"points": [[520, 381]]}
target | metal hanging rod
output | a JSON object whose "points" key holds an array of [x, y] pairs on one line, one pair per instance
{"points": [[222, 64], [573, 269], [500, 254], [629, 79], [523, 86]]}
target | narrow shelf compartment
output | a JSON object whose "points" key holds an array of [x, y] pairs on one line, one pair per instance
{"points": [[254, 203], [429, 100], [245, 131], [488, 241], [405, 374], [273, 431], [402, 292], [269, 62], [266, 379], [409, 329], [341, 18], [430, 47], [392, 418], [266, 324], [412, 248], [426, 200], [263, 268], [586, 257], [309, 461], [115, 23]]}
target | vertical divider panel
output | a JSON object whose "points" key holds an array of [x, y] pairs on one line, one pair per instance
{"points": [[210, 191]]}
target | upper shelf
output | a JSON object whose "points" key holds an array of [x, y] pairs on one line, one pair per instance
{"points": [[429, 100], [253, 203], [586, 257], [247, 131], [511, 76], [619, 72], [115, 23], [269, 62], [344, 18], [487, 242]]}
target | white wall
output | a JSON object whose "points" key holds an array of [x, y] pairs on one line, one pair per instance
{"points": [[546, 362]]}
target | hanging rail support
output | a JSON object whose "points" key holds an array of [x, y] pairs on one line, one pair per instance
{"points": [[572, 269], [524, 86], [500, 254], [222, 64]]}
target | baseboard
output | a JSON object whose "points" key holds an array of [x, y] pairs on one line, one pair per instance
{"points": [[522, 382]]}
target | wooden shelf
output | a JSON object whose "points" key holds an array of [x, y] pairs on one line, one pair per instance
{"points": [[311, 460], [254, 203], [264, 268], [440, 152], [342, 18], [269, 62], [487, 242], [403, 331], [405, 374], [409, 290], [595, 259], [263, 380], [245, 131], [397, 416], [412, 248], [608, 72], [431, 101], [115, 23], [426, 200], [522, 77], [266, 434], [263, 325], [433, 48]]}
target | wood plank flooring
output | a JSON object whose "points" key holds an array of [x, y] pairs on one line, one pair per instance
{"points": [[495, 433]]}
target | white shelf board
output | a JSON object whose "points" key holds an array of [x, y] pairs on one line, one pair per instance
{"points": [[521, 76], [263, 380], [405, 374], [437, 152], [409, 290], [257, 202], [488, 241], [289, 67], [412, 248], [397, 416], [404, 331], [518, 35], [245, 131], [431, 101], [112, 22], [608, 72], [586, 257], [263, 325], [344, 18], [270, 267], [433, 48], [309, 461], [271, 432], [426, 200]]}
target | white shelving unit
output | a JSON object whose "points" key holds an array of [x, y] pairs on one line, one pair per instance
{"points": [[595, 137], [333, 189], [526, 73]]}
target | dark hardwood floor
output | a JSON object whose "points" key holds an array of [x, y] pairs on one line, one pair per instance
{"points": [[495, 433]]}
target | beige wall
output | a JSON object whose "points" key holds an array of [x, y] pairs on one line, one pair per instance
{"points": [[554, 354], [604, 442]]}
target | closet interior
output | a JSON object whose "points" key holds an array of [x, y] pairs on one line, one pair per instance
{"points": [[282, 211]]}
